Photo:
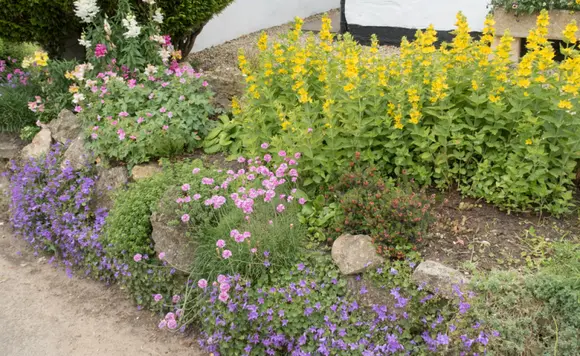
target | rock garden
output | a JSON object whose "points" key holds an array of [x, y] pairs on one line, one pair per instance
{"points": [[322, 199]]}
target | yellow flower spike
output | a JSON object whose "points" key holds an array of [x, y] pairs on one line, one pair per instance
{"points": [[236, 108], [565, 104], [529, 141], [263, 42], [569, 32]]}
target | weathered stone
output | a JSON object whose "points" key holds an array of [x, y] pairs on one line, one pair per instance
{"points": [[143, 171], [170, 234], [66, 127], [76, 154], [225, 82], [367, 294], [438, 278], [4, 198], [108, 181], [39, 146], [10, 146], [354, 254]]}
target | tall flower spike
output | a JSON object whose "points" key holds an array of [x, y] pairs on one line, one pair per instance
{"points": [[86, 10]]}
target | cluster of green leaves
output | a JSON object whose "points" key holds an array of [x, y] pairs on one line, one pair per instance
{"points": [[16, 50], [537, 313], [14, 113], [142, 119], [395, 215], [128, 230], [533, 6]]}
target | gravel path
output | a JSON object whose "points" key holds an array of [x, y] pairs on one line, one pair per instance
{"points": [[43, 312]]}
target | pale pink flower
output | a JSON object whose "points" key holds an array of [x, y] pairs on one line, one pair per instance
{"points": [[162, 324], [226, 254], [162, 110], [223, 297], [185, 217], [176, 299], [172, 324], [165, 127], [161, 255], [241, 159], [205, 84], [222, 279], [137, 257], [265, 145], [185, 187], [123, 114], [140, 120], [267, 158], [207, 181], [196, 171], [94, 136], [157, 297], [220, 243], [196, 196], [280, 208], [202, 283], [297, 155], [254, 250], [301, 201], [309, 129], [282, 153]]}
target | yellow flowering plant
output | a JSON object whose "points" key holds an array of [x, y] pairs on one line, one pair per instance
{"points": [[457, 115]]}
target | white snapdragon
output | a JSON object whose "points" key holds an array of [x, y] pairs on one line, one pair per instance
{"points": [[164, 54], [78, 97], [150, 2], [133, 28], [158, 39], [107, 27], [84, 42], [158, 17], [150, 70], [86, 10]]}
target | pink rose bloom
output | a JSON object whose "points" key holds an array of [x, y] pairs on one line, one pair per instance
{"points": [[137, 257], [265, 145], [223, 297], [301, 201], [161, 255], [157, 297], [202, 283], [176, 299], [196, 171], [282, 153], [196, 196], [185, 218], [280, 208], [226, 254], [185, 187], [220, 243]]}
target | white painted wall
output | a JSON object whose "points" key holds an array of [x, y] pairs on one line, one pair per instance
{"points": [[247, 16], [415, 14]]}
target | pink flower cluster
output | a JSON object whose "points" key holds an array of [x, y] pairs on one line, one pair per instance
{"points": [[224, 287]]}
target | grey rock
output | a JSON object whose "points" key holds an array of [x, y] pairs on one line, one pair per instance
{"points": [[76, 154], [39, 146], [438, 278], [4, 198], [108, 181], [10, 146], [65, 127], [354, 254], [144, 171], [225, 82], [170, 235]]}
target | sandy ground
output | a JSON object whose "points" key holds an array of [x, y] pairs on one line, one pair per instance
{"points": [[43, 312]]}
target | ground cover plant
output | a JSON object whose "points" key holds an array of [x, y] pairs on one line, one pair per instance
{"points": [[534, 6], [448, 116]]}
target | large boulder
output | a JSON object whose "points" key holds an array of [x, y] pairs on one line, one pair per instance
{"points": [[438, 278], [39, 146], [76, 154], [108, 181], [66, 127], [225, 82], [10, 146], [170, 235], [144, 171], [354, 254]]}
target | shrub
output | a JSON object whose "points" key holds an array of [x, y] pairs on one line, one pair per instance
{"points": [[52, 22], [536, 313], [50, 210], [396, 216], [16, 50], [452, 115], [306, 310], [159, 113], [16, 90]]}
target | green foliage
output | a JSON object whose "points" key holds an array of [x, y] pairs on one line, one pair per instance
{"points": [[16, 50], [53, 88], [319, 218], [143, 119], [14, 113], [535, 313], [533, 6], [127, 232], [394, 215]]}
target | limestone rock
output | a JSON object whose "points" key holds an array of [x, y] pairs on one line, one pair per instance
{"points": [[438, 278], [39, 146], [10, 146], [225, 82], [354, 254], [76, 154], [66, 127], [144, 171], [170, 235], [108, 181]]}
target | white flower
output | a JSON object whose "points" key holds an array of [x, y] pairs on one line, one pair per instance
{"points": [[158, 17], [133, 28], [107, 27], [78, 97], [158, 39], [150, 2], [86, 10], [150, 70], [164, 54], [83, 42]]}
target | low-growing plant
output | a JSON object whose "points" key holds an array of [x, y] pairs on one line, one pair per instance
{"points": [[50, 209], [158, 113], [455, 115], [395, 215], [534, 6]]}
